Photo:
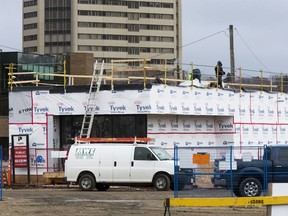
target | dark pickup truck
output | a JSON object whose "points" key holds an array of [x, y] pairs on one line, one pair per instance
{"points": [[251, 177]]}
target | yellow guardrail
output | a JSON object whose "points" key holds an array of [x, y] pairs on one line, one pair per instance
{"points": [[224, 202]]}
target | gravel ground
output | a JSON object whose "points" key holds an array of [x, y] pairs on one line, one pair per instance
{"points": [[123, 201]]}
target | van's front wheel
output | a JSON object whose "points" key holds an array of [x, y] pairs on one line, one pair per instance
{"points": [[87, 182], [162, 182]]}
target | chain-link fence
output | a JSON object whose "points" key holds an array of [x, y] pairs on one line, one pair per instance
{"points": [[245, 171], [40, 161], [46, 160]]}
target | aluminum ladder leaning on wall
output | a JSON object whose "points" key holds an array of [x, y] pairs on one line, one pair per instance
{"points": [[92, 102]]}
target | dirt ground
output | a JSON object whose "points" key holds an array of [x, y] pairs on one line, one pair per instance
{"points": [[115, 201]]}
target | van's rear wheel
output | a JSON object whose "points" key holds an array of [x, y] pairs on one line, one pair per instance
{"points": [[162, 182], [102, 187], [87, 182]]}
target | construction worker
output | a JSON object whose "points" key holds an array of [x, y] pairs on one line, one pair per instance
{"points": [[219, 73], [195, 75]]}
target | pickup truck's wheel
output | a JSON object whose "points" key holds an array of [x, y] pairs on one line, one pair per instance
{"points": [[102, 187], [161, 182], [87, 182], [250, 187]]}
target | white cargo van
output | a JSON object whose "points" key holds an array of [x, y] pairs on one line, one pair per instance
{"points": [[100, 165]]}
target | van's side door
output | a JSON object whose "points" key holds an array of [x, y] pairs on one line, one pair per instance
{"points": [[105, 164], [142, 165], [122, 163]]}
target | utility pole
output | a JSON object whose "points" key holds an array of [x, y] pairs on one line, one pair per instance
{"points": [[177, 40], [232, 59]]}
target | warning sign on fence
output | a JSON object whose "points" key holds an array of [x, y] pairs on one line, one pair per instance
{"points": [[201, 158]]}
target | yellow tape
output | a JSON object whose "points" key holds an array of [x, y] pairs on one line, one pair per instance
{"points": [[241, 201]]}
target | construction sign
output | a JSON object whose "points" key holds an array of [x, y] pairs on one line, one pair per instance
{"points": [[201, 158], [20, 148], [20, 153]]}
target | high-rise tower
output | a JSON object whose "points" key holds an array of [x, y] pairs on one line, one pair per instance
{"points": [[110, 29]]}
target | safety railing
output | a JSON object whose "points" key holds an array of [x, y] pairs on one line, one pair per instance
{"points": [[121, 73]]}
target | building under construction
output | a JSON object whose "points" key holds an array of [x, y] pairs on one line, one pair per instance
{"points": [[191, 113]]}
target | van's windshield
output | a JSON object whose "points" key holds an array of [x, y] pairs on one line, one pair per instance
{"points": [[161, 153]]}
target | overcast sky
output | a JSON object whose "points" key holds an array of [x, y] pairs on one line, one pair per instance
{"points": [[260, 35]]}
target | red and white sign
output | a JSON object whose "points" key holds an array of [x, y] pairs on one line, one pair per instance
{"points": [[20, 156], [20, 151]]}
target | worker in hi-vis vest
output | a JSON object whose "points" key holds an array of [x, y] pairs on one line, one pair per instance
{"points": [[219, 73]]}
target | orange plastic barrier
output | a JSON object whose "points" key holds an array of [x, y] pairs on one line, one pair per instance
{"points": [[6, 177]]}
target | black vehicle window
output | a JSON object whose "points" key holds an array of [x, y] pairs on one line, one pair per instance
{"points": [[283, 155], [142, 153]]}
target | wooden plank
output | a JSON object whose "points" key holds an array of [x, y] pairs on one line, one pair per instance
{"points": [[152, 78], [130, 60], [53, 175], [21, 73], [22, 82], [136, 70], [252, 85]]}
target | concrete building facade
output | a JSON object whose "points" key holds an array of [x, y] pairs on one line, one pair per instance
{"points": [[110, 29]]}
